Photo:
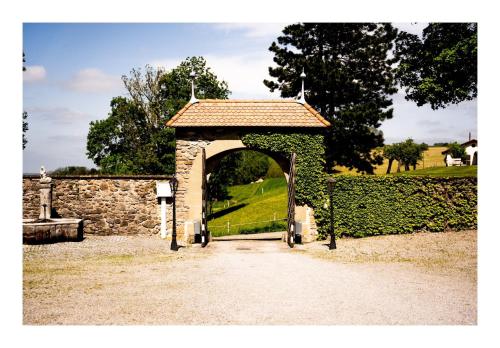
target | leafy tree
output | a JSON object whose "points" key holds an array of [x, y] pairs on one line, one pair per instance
{"points": [[252, 165], [222, 177], [175, 85], [392, 153], [441, 68], [118, 143], [134, 138], [74, 170], [406, 153], [411, 153], [441, 144], [457, 151], [237, 168], [349, 81], [144, 90]]}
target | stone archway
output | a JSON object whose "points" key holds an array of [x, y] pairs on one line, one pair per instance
{"points": [[218, 127]]}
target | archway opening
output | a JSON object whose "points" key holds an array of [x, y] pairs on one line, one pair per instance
{"points": [[247, 195]]}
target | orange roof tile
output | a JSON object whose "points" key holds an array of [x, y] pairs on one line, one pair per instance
{"points": [[247, 113]]}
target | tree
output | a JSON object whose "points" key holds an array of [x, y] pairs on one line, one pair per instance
{"points": [[121, 143], [411, 153], [239, 168], [392, 153], [406, 153], [349, 81], [222, 177], [25, 115], [441, 68], [457, 151], [441, 144], [134, 138], [175, 85], [74, 170]]}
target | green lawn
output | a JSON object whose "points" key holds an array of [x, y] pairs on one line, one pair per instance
{"points": [[443, 171], [252, 208]]}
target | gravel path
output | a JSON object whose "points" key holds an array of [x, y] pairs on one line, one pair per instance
{"points": [[230, 282]]}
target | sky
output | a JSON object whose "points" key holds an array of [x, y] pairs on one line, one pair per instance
{"points": [[73, 71]]}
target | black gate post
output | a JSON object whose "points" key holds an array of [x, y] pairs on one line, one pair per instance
{"points": [[291, 203], [204, 228]]}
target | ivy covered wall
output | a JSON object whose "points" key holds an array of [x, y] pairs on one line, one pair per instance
{"points": [[372, 205], [310, 162], [376, 205]]}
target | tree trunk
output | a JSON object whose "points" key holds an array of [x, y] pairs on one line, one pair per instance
{"points": [[407, 167], [414, 167], [399, 166], [389, 166]]}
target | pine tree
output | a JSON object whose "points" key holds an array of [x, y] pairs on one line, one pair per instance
{"points": [[349, 81]]}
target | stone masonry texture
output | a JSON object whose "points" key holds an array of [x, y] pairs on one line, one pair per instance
{"points": [[107, 205]]}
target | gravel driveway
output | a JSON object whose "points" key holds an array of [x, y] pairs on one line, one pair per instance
{"points": [[137, 280]]}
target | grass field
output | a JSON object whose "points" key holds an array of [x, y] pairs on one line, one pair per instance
{"points": [[443, 171], [252, 208], [432, 158]]}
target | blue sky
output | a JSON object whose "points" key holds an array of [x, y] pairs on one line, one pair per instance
{"points": [[73, 71]]}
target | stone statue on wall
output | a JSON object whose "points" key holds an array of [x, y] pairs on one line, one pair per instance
{"points": [[44, 179], [45, 194]]}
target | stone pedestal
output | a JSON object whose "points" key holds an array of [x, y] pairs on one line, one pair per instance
{"points": [[45, 199]]}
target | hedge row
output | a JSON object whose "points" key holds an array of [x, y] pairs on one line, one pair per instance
{"points": [[366, 205]]}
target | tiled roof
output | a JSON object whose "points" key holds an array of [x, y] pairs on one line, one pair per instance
{"points": [[247, 113]]}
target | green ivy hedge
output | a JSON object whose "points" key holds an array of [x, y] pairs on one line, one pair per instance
{"points": [[372, 205], [310, 150], [376, 205]]}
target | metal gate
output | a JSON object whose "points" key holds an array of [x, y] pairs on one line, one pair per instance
{"points": [[291, 203], [204, 228]]}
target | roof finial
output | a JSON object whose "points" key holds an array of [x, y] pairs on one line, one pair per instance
{"points": [[193, 99], [302, 98]]}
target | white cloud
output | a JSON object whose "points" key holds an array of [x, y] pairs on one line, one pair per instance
{"points": [[34, 73], [56, 114], [243, 73], [92, 80], [254, 30]]}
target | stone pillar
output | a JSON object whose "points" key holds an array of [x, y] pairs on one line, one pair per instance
{"points": [[305, 215], [45, 199]]}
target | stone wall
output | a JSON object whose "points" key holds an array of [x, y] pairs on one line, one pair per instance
{"points": [[108, 205], [186, 152]]}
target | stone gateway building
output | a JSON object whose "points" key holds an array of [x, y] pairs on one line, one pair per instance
{"points": [[208, 130]]}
